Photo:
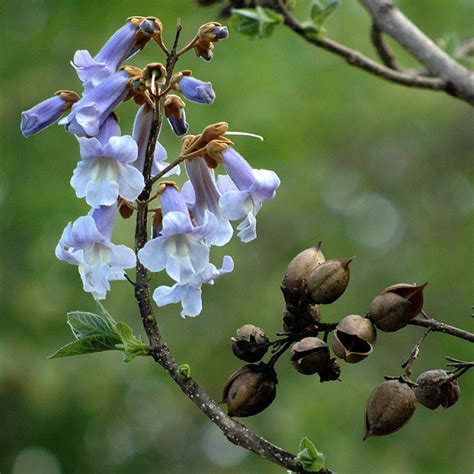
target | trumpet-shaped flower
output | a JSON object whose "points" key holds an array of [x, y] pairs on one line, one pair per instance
{"points": [[47, 112], [122, 45], [244, 191], [202, 195], [86, 243], [189, 294], [195, 90], [96, 105], [141, 133], [180, 247], [105, 171]]}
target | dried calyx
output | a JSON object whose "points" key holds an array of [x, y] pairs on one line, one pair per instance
{"points": [[353, 338], [436, 388], [396, 306], [389, 408], [250, 390], [250, 343]]}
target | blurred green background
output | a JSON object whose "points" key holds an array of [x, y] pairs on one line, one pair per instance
{"points": [[370, 168]]}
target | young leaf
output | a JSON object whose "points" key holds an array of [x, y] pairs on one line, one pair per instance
{"points": [[184, 370], [255, 22], [321, 15], [315, 9], [86, 324], [132, 346], [309, 457], [88, 345]]}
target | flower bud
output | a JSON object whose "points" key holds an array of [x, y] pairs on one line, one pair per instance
{"points": [[250, 390], [389, 408], [300, 268], [328, 281], [250, 343], [310, 355], [353, 337], [394, 307], [434, 389]]}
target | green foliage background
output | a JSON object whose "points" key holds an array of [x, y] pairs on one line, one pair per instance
{"points": [[372, 169]]}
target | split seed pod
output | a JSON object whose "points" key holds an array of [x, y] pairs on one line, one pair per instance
{"points": [[353, 337], [250, 390], [395, 306], [389, 408], [328, 281], [434, 389], [310, 355], [300, 268], [250, 343]]}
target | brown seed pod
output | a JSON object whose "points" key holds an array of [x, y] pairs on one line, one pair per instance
{"points": [[328, 281], [353, 337], [413, 293], [310, 355], [298, 320], [331, 372], [389, 408], [250, 390], [300, 267], [250, 343], [434, 389], [390, 312]]}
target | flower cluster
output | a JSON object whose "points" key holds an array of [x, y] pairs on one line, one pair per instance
{"points": [[111, 174]]}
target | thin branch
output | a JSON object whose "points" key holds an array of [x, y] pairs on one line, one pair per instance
{"points": [[414, 354], [466, 48], [383, 50], [234, 431], [438, 326], [357, 59], [460, 81]]}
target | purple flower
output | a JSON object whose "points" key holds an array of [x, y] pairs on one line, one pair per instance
{"points": [[196, 90], [244, 191], [96, 105], [86, 243], [122, 45], [189, 294], [180, 249], [47, 112], [202, 194], [104, 172], [141, 133]]}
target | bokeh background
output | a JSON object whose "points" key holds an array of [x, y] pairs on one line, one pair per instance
{"points": [[370, 168]]}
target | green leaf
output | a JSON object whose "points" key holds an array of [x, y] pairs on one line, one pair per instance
{"points": [[256, 22], [131, 345], [320, 15], [84, 324], [309, 457], [184, 370], [88, 345]]}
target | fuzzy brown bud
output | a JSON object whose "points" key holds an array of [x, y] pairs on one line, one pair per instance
{"points": [[328, 281], [250, 390], [310, 355], [389, 408], [353, 337], [434, 388], [250, 343], [300, 268]]}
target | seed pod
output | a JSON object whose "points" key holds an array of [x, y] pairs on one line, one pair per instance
{"points": [[389, 407], [250, 390], [328, 281], [310, 355], [331, 372], [390, 312], [250, 343], [434, 389], [300, 267], [299, 320], [353, 337]]}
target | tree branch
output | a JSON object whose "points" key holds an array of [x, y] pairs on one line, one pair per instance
{"points": [[460, 81], [234, 431], [357, 59], [382, 48], [438, 326]]}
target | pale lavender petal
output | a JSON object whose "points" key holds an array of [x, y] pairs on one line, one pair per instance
{"points": [[153, 255], [122, 149], [247, 228], [42, 115], [235, 204], [130, 182]]}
